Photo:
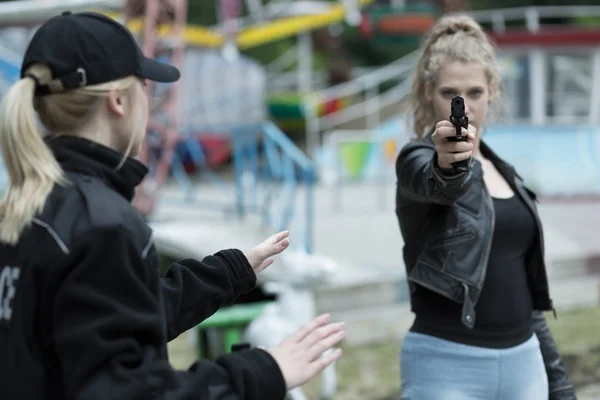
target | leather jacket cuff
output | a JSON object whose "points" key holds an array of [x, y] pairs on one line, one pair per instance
{"points": [[566, 393], [443, 175], [560, 386]]}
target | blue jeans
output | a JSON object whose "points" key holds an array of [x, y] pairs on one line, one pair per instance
{"points": [[437, 369]]}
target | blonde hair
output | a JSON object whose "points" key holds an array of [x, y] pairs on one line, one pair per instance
{"points": [[453, 38], [31, 167]]}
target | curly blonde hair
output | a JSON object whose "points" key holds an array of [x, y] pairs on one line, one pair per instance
{"points": [[452, 38]]}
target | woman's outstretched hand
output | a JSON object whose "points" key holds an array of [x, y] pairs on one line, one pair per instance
{"points": [[260, 256], [300, 357]]}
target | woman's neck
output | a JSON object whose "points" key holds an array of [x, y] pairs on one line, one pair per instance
{"points": [[476, 147]]}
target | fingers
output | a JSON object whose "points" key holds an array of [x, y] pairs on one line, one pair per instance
{"points": [[450, 151], [276, 248], [265, 264], [275, 244], [472, 131], [309, 327], [324, 339], [454, 147], [445, 129], [443, 123], [442, 134], [322, 333], [276, 238], [323, 362]]}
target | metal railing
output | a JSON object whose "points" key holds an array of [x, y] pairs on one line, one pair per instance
{"points": [[288, 82], [532, 16], [368, 100], [270, 187], [287, 8], [280, 81]]}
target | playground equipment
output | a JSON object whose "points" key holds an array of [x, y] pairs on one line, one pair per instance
{"points": [[286, 89], [214, 110], [281, 19], [219, 97], [163, 129], [286, 109], [391, 24]]}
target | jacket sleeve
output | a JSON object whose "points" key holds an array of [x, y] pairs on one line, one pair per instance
{"points": [[194, 290], [420, 179], [110, 340], [560, 387]]}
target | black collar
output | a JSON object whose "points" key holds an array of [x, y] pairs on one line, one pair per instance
{"points": [[86, 157]]}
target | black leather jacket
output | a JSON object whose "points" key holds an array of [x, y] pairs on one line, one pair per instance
{"points": [[447, 222]]}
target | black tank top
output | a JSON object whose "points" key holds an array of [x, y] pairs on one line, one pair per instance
{"points": [[503, 311]]}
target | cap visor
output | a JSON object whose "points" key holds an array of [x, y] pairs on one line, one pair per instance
{"points": [[158, 72]]}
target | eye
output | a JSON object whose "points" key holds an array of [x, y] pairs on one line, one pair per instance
{"points": [[448, 94], [476, 94]]}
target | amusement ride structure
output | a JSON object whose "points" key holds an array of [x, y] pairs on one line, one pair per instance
{"points": [[353, 129]]}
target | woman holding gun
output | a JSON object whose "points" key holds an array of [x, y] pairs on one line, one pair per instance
{"points": [[474, 249]]}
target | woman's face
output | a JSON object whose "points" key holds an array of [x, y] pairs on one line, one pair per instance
{"points": [[467, 80], [129, 116], [139, 117]]}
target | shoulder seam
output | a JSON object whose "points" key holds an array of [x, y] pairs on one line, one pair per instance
{"points": [[59, 242], [148, 246]]}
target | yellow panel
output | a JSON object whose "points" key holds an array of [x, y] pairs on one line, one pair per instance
{"points": [[194, 35], [254, 35], [290, 26]]}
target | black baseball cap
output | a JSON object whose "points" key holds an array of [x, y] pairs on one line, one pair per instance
{"points": [[88, 49]]}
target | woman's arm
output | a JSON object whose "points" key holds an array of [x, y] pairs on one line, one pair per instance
{"points": [[109, 333], [420, 179], [560, 386], [194, 290]]}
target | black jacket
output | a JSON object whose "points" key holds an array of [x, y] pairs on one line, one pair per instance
{"points": [[90, 317], [447, 224]]}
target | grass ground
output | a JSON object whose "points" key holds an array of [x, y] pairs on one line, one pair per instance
{"points": [[372, 372]]}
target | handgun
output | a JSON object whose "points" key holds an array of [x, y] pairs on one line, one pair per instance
{"points": [[459, 120]]}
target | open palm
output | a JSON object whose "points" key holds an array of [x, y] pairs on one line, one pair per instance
{"points": [[260, 256]]}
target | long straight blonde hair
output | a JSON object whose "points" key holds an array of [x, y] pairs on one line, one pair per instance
{"points": [[31, 167]]}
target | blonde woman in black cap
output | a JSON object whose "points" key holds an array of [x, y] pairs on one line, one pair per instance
{"points": [[84, 313]]}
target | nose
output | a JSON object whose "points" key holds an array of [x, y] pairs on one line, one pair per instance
{"points": [[467, 108]]}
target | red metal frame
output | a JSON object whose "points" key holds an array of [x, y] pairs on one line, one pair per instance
{"points": [[548, 37], [155, 12]]}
